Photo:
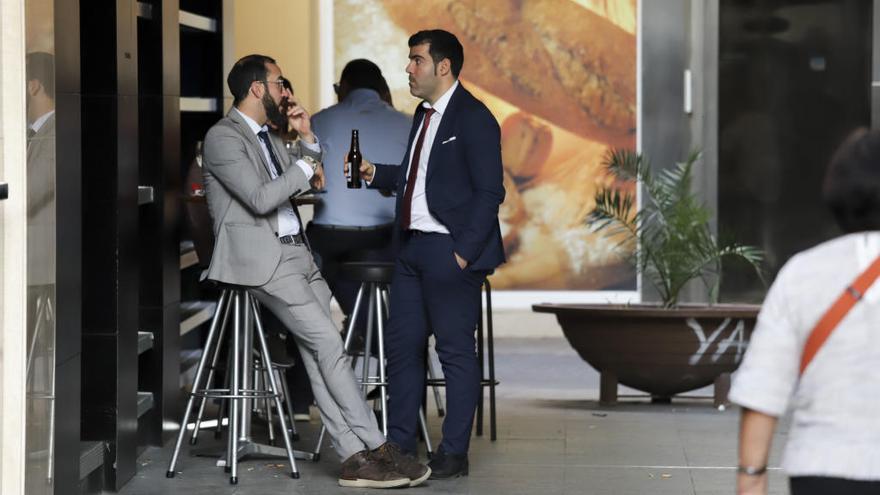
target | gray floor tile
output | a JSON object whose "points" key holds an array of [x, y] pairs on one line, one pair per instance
{"points": [[553, 438]]}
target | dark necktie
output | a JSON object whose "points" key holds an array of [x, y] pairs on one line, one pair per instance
{"points": [[406, 207], [264, 137]]}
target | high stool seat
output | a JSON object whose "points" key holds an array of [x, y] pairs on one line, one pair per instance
{"points": [[367, 272]]}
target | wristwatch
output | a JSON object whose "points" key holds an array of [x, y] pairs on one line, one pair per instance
{"points": [[311, 162], [751, 470]]}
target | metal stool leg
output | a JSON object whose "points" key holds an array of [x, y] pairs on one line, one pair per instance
{"points": [[236, 403], [189, 403], [493, 430], [352, 318], [481, 358], [383, 388], [274, 387], [368, 341], [320, 443], [269, 420], [50, 373], [195, 433], [432, 374], [424, 426], [223, 407], [288, 399]]}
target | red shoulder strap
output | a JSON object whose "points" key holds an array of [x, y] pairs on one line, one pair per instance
{"points": [[838, 312]]}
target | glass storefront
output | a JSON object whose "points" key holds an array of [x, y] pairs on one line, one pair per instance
{"points": [[41, 231], [794, 80]]}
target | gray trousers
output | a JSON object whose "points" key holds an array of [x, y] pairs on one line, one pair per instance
{"points": [[300, 298]]}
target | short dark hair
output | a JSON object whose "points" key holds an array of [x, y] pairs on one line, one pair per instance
{"points": [[443, 44], [41, 66], [248, 69], [852, 182], [361, 73]]}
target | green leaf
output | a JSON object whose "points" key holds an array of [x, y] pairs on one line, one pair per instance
{"points": [[670, 235]]}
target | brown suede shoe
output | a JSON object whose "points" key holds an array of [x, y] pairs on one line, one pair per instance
{"points": [[361, 471], [405, 464]]}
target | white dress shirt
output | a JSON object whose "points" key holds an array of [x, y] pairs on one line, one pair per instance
{"points": [[288, 223], [420, 218], [835, 428], [41, 120]]}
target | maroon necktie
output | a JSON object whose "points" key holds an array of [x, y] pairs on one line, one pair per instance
{"points": [[406, 208]]}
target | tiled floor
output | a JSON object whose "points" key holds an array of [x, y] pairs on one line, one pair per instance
{"points": [[553, 438]]}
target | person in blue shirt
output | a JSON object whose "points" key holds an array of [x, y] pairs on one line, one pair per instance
{"points": [[356, 224]]}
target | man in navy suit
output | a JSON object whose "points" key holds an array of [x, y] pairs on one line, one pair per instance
{"points": [[449, 187]]}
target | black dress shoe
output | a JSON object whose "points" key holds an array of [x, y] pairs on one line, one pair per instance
{"points": [[447, 466]]}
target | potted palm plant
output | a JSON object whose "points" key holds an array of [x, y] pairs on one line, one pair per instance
{"points": [[667, 348]]}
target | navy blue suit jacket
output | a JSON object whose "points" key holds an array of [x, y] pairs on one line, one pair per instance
{"points": [[464, 187]]}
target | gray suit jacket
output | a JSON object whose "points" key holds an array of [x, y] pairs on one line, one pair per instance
{"points": [[243, 200], [41, 205]]}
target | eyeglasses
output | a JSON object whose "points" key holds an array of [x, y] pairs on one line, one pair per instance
{"points": [[279, 82]]}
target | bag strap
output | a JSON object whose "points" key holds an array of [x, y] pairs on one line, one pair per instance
{"points": [[838, 311]]}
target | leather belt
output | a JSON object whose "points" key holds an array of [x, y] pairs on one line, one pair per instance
{"points": [[295, 239], [353, 228]]}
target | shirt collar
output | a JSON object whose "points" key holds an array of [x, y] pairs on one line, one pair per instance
{"points": [[440, 105], [255, 127], [361, 95], [42, 120]]}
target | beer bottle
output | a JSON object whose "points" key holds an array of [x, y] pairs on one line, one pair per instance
{"points": [[354, 162]]}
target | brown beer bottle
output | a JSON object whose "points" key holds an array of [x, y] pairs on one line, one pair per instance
{"points": [[354, 162]]}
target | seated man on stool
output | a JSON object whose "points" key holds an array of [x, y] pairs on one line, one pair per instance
{"points": [[249, 180]]}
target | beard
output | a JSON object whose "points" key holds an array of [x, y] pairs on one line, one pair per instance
{"points": [[273, 114]]}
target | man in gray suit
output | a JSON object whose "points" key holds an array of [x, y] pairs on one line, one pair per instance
{"points": [[259, 242]]}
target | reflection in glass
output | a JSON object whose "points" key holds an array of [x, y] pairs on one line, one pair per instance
{"points": [[794, 79], [40, 385]]}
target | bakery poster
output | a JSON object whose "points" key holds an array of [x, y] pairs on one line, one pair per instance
{"points": [[560, 77]]}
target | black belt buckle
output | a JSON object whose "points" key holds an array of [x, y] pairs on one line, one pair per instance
{"points": [[295, 239]]}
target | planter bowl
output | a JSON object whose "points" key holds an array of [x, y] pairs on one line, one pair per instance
{"points": [[660, 351]]}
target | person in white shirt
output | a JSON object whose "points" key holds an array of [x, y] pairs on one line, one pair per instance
{"points": [[834, 439]]}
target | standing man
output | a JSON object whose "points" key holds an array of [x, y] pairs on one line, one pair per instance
{"points": [[249, 180], [449, 187], [356, 224]]}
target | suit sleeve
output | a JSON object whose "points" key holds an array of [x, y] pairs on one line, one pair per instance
{"points": [[301, 150], [227, 159], [483, 156], [385, 177]]}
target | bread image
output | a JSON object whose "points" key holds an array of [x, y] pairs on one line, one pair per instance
{"points": [[560, 78], [525, 145], [511, 214], [551, 58], [553, 245]]}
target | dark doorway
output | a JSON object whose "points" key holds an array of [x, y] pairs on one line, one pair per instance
{"points": [[795, 78]]}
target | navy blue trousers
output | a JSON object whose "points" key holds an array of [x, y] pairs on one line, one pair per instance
{"points": [[430, 293]]}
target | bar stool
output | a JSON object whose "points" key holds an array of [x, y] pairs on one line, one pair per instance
{"points": [[40, 367], [237, 300], [260, 379], [375, 278]]}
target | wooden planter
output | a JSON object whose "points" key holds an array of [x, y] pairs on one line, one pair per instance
{"points": [[660, 351]]}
